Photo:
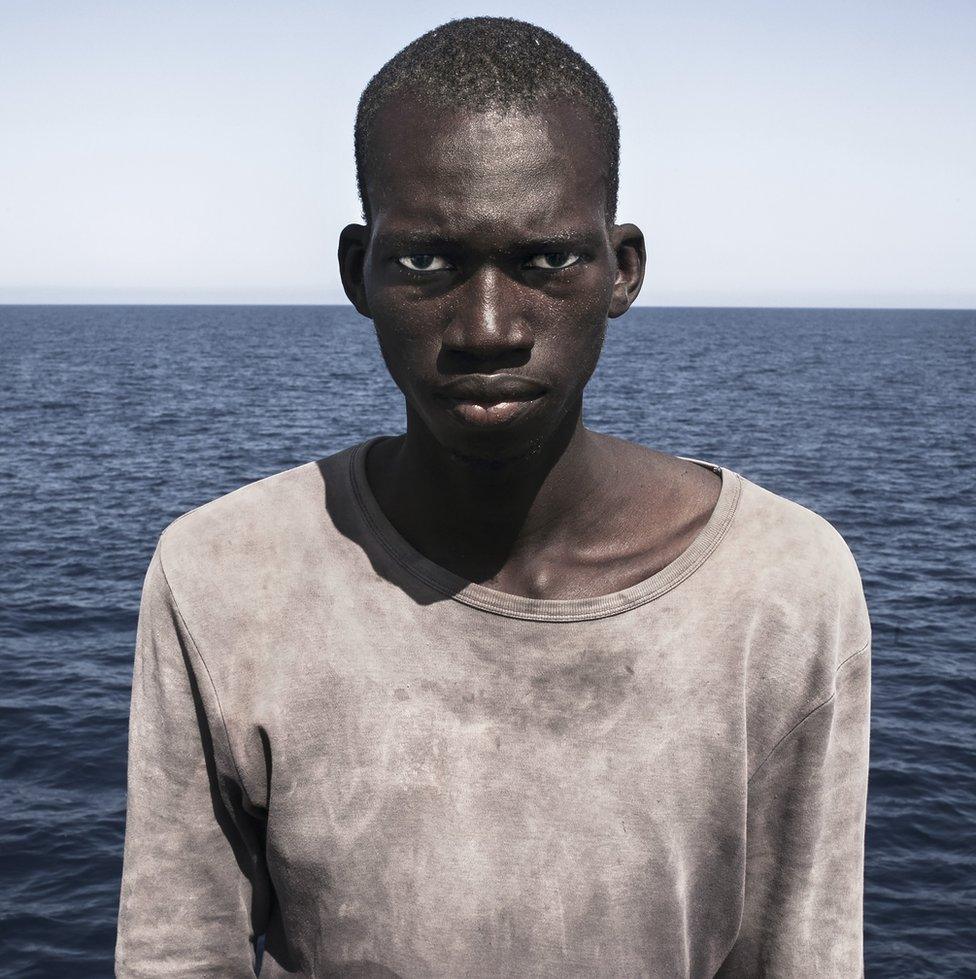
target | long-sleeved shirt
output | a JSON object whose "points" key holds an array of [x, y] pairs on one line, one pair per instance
{"points": [[390, 771]]}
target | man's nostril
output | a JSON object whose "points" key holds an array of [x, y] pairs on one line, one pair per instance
{"points": [[466, 360]]}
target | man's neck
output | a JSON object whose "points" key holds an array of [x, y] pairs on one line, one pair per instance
{"points": [[474, 516]]}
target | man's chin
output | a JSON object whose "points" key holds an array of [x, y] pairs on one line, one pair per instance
{"points": [[514, 443], [492, 450]]}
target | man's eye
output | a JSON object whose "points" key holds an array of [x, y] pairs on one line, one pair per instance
{"points": [[423, 263], [553, 260]]}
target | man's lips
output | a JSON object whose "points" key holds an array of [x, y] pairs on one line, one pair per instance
{"points": [[489, 399], [490, 388]]}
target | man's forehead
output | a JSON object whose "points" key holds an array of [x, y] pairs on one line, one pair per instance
{"points": [[430, 163]]}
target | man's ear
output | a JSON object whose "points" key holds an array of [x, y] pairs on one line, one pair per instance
{"points": [[627, 241], [352, 260]]}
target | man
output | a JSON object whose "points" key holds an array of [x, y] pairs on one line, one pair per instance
{"points": [[500, 696]]}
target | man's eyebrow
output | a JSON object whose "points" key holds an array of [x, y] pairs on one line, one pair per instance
{"points": [[560, 239], [407, 241]]}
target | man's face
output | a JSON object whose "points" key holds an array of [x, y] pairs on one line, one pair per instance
{"points": [[488, 269]]}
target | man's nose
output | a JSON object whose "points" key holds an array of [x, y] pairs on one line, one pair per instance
{"points": [[488, 319]]}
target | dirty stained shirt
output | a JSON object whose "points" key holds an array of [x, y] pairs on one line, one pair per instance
{"points": [[389, 771]]}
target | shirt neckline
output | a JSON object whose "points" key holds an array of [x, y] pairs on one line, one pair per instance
{"points": [[543, 609]]}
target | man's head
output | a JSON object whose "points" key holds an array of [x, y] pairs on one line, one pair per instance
{"points": [[485, 63], [489, 262]]}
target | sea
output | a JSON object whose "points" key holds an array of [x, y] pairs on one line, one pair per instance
{"points": [[116, 419]]}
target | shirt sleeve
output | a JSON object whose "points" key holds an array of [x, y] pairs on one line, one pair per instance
{"points": [[803, 901], [194, 893]]}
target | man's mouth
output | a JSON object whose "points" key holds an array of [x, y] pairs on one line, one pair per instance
{"points": [[483, 400]]}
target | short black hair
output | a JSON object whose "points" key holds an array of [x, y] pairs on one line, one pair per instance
{"points": [[486, 63]]}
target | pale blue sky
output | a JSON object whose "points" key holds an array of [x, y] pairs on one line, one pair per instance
{"points": [[774, 153]]}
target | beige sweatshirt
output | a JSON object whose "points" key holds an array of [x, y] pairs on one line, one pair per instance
{"points": [[394, 772]]}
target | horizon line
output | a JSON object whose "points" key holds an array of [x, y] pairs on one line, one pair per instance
{"points": [[324, 305]]}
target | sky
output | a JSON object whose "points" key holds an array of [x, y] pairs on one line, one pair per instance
{"points": [[773, 153]]}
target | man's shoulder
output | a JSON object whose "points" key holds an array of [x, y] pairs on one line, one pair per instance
{"points": [[256, 525], [796, 572], [776, 531], [793, 587], [253, 509]]}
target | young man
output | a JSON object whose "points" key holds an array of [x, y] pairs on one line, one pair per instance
{"points": [[500, 696]]}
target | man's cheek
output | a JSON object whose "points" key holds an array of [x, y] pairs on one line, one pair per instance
{"points": [[408, 354]]}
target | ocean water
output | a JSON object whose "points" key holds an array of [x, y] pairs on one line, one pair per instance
{"points": [[117, 419]]}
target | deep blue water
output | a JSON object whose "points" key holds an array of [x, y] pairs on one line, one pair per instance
{"points": [[117, 419]]}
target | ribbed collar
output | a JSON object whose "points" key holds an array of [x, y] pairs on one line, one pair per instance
{"points": [[537, 609]]}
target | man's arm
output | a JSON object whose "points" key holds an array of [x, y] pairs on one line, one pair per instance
{"points": [[802, 913], [194, 890]]}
